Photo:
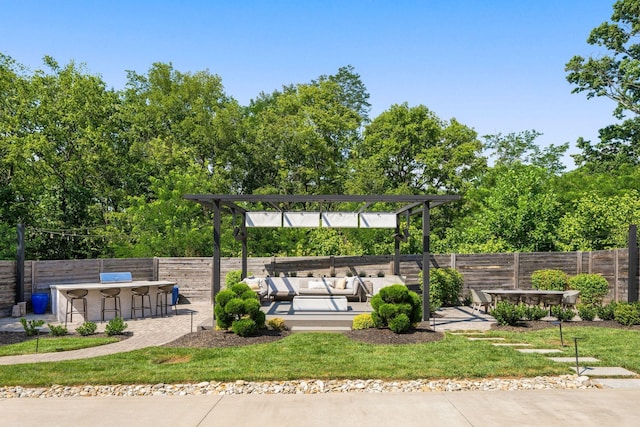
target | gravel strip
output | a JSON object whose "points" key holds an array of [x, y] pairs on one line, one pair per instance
{"points": [[302, 387]]}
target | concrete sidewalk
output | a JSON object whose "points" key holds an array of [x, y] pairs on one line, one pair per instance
{"points": [[498, 408]]}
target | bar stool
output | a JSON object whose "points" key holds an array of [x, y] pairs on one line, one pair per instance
{"points": [[111, 293], [141, 291], [162, 299], [73, 295]]}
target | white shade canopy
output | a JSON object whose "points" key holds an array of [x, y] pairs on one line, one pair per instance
{"points": [[377, 220], [301, 219]]}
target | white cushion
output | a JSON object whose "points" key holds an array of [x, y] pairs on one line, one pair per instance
{"points": [[253, 283], [350, 281], [316, 285]]}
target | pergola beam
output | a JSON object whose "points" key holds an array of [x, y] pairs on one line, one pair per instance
{"points": [[414, 204]]}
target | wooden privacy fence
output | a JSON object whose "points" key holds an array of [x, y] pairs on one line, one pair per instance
{"points": [[193, 275]]}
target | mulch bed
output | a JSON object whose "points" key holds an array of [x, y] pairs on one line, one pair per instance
{"points": [[542, 324], [212, 338]]}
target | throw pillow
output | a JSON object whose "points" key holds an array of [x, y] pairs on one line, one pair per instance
{"points": [[316, 285], [341, 283]]}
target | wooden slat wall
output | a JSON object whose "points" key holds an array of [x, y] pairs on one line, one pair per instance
{"points": [[7, 286], [193, 275], [530, 262]]}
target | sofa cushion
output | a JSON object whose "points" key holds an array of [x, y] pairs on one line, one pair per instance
{"points": [[313, 284], [341, 283], [254, 283], [350, 282]]}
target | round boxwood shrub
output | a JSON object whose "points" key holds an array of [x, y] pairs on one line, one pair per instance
{"points": [[533, 312], [506, 313], [400, 323], [586, 312], [394, 301], [550, 280], [239, 303], [593, 288], [626, 314], [562, 314], [445, 286], [606, 312], [244, 327]]}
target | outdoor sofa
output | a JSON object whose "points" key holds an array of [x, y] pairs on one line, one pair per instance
{"points": [[285, 288]]}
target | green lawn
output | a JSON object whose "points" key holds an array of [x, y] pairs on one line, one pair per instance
{"points": [[53, 344], [334, 356]]}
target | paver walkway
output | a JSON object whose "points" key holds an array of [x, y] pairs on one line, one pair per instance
{"points": [[147, 332]]}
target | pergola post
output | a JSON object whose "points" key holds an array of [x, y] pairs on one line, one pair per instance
{"points": [[215, 268], [396, 257], [243, 230], [426, 225]]}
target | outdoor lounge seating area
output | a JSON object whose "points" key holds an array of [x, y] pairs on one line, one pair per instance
{"points": [[354, 288]]}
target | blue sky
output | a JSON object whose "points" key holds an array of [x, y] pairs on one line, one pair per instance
{"points": [[494, 65]]}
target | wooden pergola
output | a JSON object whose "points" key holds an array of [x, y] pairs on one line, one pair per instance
{"points": [[411, 205]]}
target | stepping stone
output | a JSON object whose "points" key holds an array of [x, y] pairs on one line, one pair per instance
{"points": [[467, 333], [573, 359], [619, 382], [509, 344], [538, 350], [604, 371], [486, 339]]}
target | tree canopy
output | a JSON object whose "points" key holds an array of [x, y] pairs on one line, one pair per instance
{"points": [[98, 172]]}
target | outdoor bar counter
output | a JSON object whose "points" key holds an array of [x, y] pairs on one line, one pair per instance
{"points": [[94, 298]]}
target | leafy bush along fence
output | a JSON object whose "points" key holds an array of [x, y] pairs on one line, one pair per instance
{"points": [[193, 275]]}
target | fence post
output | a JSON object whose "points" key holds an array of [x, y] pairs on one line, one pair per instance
{"points": [[20, 265], [632, 283], [516, 270]]}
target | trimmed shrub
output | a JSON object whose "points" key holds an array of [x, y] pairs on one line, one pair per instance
{"points": [[534, 312], [87, 328], [244, 327], [394, 301], [115, 326], [362, 321], [240, 288], [506, 313], [239, 303], [607, 312], [445, 287], [587, 312], [400, 323], [233, 277], [550, 280], [593, 288], [276, 324], [562, 314], [57, 330], [626, 314]]}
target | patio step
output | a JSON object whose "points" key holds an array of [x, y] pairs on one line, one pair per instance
{"points": [[318, 323]]}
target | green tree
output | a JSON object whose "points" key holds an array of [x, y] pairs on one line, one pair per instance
{"points": [[410, 150], [514, 209], [598, 222], [521, 148], [615, 75], [61, 179], [298, 138]]}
